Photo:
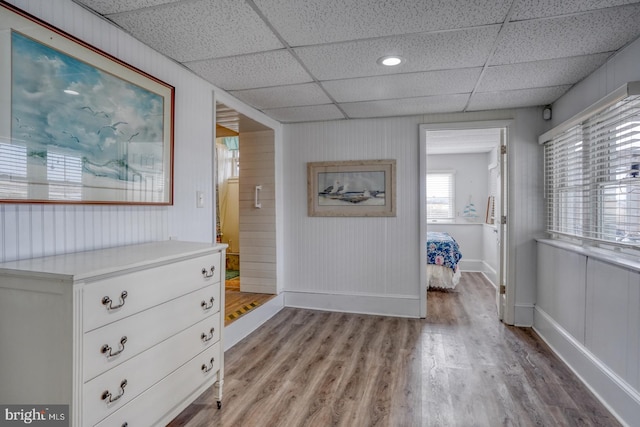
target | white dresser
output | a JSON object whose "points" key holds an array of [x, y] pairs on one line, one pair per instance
{"points": [[126, 336]]}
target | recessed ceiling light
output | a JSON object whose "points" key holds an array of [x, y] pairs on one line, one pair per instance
{"points": [[71, 92], [390, 61]]}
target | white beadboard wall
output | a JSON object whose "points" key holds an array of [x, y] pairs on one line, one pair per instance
{"points": [[353, 264], [374, 258], [588, 310], [621, 68], [258, 250], [37, 230]]}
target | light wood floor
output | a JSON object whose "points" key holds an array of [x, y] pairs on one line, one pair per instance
{"points": [[237, 304], [458, 367]]}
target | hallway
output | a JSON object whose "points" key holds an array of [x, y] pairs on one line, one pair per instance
{"points": [[458, 367]]}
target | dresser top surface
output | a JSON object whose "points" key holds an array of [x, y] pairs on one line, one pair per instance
{"points": [[86, 264]]}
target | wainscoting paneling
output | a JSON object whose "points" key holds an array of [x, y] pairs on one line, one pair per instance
{"points": [[588, 310], [612, 318], [561, 292]]}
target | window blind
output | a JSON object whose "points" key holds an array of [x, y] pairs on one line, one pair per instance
{"points": [[440, 196], [592, 174]]}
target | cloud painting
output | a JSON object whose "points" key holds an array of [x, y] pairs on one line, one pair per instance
{"points": [[64, 105]]}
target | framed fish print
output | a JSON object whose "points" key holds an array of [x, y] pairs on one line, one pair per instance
{"points": [[351, 188], [79, 126]]}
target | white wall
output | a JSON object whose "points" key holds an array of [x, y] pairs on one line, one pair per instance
{"points": [[31, 230], [258, 253], [372, 264], [587, 310], [470, 179], [470, 240], [35, 230], [229, 214], [621, 68]]}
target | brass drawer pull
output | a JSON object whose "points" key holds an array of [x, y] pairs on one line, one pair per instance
{"points": [[206, 338], [109, 397], [107, 300], [107, 348], [206, 306], [206, 368], [210, 273]]}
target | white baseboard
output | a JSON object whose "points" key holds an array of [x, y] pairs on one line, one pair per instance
{"points": [[257, 289], [523, 315], [240, 328], [398, 306], [471, 265], [490, 273], [481, 266], [620, 399]]}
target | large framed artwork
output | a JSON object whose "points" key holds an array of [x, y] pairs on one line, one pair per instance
{"points": [[76, 124], [351, 188]]}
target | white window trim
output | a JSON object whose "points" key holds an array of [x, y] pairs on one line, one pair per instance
{"points": [[452, 219], [627, 90]]}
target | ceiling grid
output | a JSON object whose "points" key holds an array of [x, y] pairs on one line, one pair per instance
{"points": [[316, 60]]}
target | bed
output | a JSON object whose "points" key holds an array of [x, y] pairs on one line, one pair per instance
{"points": [[443, 255]]}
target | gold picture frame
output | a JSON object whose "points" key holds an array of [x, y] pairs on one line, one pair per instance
{"points": [[80, 126], [352, 188]]}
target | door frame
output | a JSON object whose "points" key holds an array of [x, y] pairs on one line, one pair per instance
{"points": [[503, 263]]}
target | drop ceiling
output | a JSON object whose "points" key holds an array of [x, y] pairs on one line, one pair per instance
{"points": [[316, 60]]}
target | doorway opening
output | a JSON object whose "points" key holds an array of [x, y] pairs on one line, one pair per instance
{"points": [[245, 220], [471, 159]]}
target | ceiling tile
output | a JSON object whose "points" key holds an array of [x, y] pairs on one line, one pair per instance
{"points": [[530, 9], [516, 98], [312, 113], [550, 72], [106, 7], [312, 22], [422, 52], [200, 30], [239, 72], [403, 85], [595, 32], [407, 106], [283, 96]]}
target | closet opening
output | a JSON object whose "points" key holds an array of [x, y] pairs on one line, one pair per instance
{"points": [[245, 216]]}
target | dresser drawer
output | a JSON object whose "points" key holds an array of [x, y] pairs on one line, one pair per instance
{"points": [[112, 299], [111, 345], [112, 390], [173, 390]]}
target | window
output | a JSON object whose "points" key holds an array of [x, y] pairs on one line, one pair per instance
{"points": [[64, 174], [592, 176], [228, 158], [13, 169], [440, 197]]}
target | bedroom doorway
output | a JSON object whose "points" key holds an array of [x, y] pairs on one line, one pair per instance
{"points": [[474, 156]]}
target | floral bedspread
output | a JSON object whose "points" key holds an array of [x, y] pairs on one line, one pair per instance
{"points": [[442, 249]]}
